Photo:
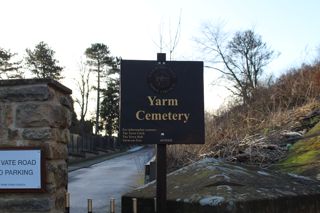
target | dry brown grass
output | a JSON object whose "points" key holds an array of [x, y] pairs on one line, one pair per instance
{"points": [[233, 133]]}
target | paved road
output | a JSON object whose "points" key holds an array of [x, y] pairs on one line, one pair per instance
{"points": [[109, 179]]}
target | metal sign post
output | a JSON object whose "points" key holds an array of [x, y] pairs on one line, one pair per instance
{"points": [[161, 165], [161, 178]]}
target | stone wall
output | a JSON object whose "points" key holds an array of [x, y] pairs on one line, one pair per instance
{"points": [[37, 113], [210, 185]]}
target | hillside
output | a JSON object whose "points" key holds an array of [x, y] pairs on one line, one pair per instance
{"points": [[263, 131]]}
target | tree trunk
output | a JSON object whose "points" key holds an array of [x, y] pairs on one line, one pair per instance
{"points": [[98, 103]]}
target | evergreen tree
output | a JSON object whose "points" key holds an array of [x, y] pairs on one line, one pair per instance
{"points": [[102, 63], [42, 63], [8, 68], [110, 107]]}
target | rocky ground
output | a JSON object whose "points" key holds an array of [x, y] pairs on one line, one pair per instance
{"points": [[270, 146]]}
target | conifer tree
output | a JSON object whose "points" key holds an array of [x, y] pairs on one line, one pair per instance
{"points": [[9, 68], [110, 107], [42, 63], [100, 61]]}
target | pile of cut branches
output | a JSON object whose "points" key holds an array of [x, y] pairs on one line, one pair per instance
{"points": [[255, 149]]}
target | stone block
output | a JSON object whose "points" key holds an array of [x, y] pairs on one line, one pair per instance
{"points": [[42, 115], [38, 134], [69, 118], [50, 188], [63, 136], [6, 114], [26, 204], [3, 135], [66, 101], [13, 134], [3, 126], [55, 151], [57, 173], [46, 134], [6, 122], [59, 198], [1, 114], [25, 93]]}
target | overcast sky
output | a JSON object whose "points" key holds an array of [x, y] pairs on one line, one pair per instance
{"points": [[131, 29]]}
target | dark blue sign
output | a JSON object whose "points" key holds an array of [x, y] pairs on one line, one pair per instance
{"points": [[161, 102]]}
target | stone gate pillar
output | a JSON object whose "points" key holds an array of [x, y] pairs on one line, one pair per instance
{"points": [[37, 113]]}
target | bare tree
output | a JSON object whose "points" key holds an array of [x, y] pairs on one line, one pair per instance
{"points": [[241, 60], [172, 44], [174, 40], [84, 87]]}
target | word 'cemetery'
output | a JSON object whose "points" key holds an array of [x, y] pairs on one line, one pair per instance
{"points": [[168, 116]]}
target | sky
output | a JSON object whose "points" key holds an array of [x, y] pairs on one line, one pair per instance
{"points": [[131, 29]]}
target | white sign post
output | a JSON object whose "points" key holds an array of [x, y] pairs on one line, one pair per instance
{"points": [[20, 169]]}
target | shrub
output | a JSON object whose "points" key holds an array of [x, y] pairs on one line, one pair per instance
{"points": [[275, 107]]}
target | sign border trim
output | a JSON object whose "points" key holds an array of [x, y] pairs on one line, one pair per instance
{"points": [[42, 173]]}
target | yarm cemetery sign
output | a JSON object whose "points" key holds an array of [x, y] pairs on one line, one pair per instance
{"points": [[162, 102]]}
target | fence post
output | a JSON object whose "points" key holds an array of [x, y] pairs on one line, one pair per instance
{"points": [[89, 205], [81, 139], [79, 144], [112, 205], [135, 205], [67, 210]]}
